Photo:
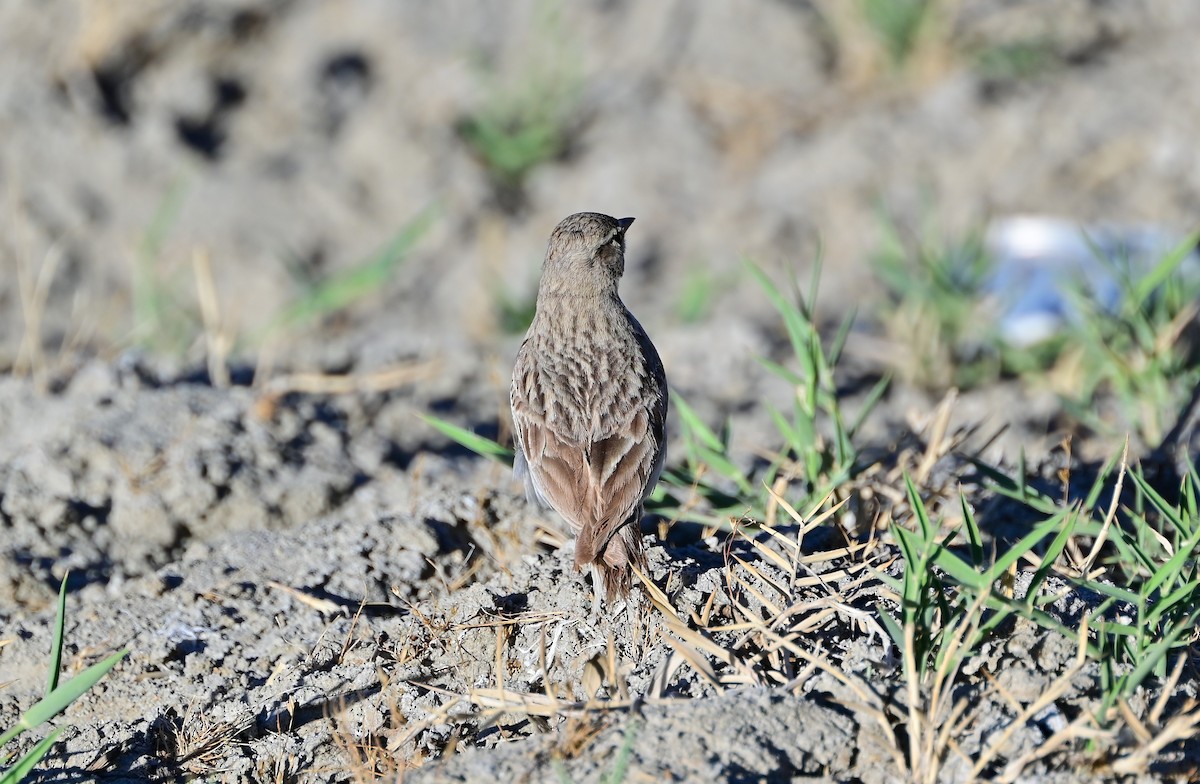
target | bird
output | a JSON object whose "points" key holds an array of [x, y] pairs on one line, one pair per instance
{"points": [[589, 401]]}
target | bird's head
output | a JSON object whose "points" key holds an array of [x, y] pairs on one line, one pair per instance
{"points": [[586, 254]]}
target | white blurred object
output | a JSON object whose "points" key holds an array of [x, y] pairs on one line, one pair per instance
{"points": [[1037, 261]]}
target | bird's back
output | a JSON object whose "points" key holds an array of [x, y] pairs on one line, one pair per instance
{"points": [[589, 403]]}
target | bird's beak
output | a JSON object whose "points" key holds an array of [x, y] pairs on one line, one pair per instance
{"points": [[625, 223]]}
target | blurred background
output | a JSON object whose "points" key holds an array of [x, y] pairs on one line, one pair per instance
{"points": [[349, 186]]}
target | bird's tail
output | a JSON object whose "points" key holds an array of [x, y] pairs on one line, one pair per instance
{"points": [[622, 551]]}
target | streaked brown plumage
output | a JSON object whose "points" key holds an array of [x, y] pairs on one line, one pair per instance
{"points": [[589, 399]]}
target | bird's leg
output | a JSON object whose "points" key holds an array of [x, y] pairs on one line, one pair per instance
{"points": [[597, 588]]}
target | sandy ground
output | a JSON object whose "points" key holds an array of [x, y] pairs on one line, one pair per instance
{"points": [[317, 585]]}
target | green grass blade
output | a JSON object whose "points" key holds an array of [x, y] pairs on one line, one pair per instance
{"points": [[793, 321], [1025, 544], [166, 213], [149, 300], [1115, 591], [56, 701], [1150, 658], [810, 306], [1172, 600], [1131, 554], [725, 467], [694, 425], [485, 447], [892, 627], [959, 570], [26, 764], [869, 403], [914, 569], [1166, 509], [799, 434], [779, 370], [918, 508], [974, 535], [621, 765], [1015, 489], [57, 644], [1052, 552], [1162, 270], [1118, 629], [1171, 569], [839, 339], [343, 288]]}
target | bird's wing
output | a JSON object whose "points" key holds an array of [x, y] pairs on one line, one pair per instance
{"points": [[620, 469], [595, 480], [528, 412]]}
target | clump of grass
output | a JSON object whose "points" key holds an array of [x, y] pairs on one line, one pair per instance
{"points": [[888, 41], [1140, 358], [950, 595], [819, 438], [1142, 552], [923, 39], [527, 121], [196, 743], [1154, 597], [934, 293], [164, 322], [58, 697], [817, 453], [1140, 559], [950, 598], [941, 589], [1125, 369]]}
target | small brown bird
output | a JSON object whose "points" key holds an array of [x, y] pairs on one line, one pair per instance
{"points": [[589, 400]]}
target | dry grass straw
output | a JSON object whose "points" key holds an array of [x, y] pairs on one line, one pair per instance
{"points": [[196, 743], [934, 720], [1153, 734], [34, 292], [369, 758], [399, 375], [323, 606], [500, 705], [773, 622], [1084, 568], [280, 768], [384, 380], [218, 339]]}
